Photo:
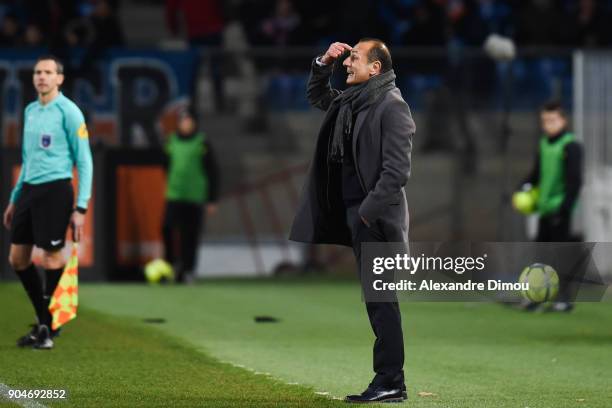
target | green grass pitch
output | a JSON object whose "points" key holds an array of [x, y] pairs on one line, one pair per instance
{"points": [[209, 352]]}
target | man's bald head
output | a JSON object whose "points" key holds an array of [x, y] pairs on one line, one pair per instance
{"points": [[378, 51]]}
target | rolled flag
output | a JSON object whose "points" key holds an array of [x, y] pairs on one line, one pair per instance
{"points": [[65, 299]]}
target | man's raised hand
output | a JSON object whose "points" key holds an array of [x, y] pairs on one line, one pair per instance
{"points": [[334, 52]]}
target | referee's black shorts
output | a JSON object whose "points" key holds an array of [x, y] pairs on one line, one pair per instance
{"points": [[42, 214]]}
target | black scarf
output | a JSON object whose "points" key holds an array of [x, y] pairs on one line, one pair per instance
{"points": [[348, 104]]}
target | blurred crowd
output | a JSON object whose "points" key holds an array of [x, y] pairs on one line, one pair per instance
{"points": [[60, 23], [564, 23], [561, 23]]}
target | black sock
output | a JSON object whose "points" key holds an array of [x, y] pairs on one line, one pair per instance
{"points": [[52, 279], [30, 279]]}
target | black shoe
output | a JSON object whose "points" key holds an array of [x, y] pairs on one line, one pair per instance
{"points": [[378, 394], [43, 338], [29, 339]]}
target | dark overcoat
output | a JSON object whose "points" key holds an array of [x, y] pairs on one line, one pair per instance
{"points": [[381, 149]]}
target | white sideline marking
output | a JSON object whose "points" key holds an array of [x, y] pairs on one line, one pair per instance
{"points": [[322, 393], [27, 403]]}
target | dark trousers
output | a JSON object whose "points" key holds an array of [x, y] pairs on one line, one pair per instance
{"points": [[181, 229], [385, 317], [556, 228]]}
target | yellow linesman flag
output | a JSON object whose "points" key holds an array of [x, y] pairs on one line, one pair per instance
{"points": [[65, 299]]}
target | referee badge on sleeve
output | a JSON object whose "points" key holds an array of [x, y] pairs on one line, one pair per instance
{"points": [[45, 141], [82, 132]]}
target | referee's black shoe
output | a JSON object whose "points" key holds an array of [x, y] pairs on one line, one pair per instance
{"points": [[378, 394], [29, 339], [43, 338]]}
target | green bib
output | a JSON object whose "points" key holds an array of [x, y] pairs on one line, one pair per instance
{"points": [[552, 174], [187, 180]]}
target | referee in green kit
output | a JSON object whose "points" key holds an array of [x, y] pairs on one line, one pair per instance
{"points": [[55, 139]]}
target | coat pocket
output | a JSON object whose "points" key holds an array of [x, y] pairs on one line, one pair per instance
{"points": [[396, 199]]}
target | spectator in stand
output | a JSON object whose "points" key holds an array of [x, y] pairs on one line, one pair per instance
{"points": [[251, 14], [540, 22], [10, 31], [203, 20], [428, 24], [98, 30], [467, 26], [204, 23], [33, 36], [35, 17], [79, 33], [395, 16], [318, 17], [107, 28], [281, 27], [590, 24], [498, 15]]}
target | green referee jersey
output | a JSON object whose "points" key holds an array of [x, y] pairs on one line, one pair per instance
{"points": [[55, 139], [552, 173], [187, 179]]}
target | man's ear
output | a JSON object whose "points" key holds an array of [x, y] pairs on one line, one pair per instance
{"points": [[60, 79], [375, 69]]}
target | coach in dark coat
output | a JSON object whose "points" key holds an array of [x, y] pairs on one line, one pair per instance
{"points": [[354, 190]]}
